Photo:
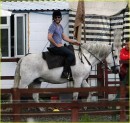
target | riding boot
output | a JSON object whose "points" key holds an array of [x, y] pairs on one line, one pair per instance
{"points": [[70, 75], [65, 72], [70, 78]]}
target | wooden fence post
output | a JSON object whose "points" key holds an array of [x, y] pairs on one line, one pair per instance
{"points": [[122, 108], [74, 112], [100, 79], [16, 108]]}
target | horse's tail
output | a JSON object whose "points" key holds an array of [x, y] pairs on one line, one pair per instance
{"points": [[17, 75]]}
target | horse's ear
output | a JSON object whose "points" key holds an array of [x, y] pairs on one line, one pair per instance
{"points": [[117, 38]]}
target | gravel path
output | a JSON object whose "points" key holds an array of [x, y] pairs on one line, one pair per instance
{"points": [[63, 118]]}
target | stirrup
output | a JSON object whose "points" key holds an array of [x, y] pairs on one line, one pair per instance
{"points": [[68, 76]]}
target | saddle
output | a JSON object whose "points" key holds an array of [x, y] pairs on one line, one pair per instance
{"points": [[54, 61]]}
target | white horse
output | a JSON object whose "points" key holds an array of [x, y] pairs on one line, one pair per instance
{"points": [[33, 66]]}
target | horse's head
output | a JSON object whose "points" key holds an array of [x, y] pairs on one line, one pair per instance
{"points": [[113, 57]]}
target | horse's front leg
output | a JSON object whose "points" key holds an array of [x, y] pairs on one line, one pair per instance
{"points": [[88, 99], [77, 84], [85, 84], [75, 96]]}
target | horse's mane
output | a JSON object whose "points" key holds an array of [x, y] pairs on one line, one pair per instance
{"points": [[98, 49]]}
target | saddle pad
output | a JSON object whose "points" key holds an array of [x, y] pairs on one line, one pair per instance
{"points": [[54, 61]]}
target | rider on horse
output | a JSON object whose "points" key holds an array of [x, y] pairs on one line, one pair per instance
{"points": [[55, 36]]}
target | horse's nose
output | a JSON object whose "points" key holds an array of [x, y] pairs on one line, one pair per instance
{"points": [[115, 69]]}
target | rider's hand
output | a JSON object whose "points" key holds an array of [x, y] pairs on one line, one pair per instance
{"points": [[76, 43]]}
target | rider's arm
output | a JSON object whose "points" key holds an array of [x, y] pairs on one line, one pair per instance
{"points": [[50, 38], [66, 38]]}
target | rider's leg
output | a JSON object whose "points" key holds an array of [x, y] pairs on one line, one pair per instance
{"points": [[66, 69], [68, 61], [64, 51]]}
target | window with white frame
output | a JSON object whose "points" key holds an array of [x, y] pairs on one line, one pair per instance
{"points": [[5, 36], [13, 35], [19, 32]]}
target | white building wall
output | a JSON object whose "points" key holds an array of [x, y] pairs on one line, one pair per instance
{"points": [[7, 69]]}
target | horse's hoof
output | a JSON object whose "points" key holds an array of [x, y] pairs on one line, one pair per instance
{"points": [[42, 109], [75, 98]]}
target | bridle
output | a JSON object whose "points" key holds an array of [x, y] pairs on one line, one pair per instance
{"points": [[81, 54], [112, 50]]}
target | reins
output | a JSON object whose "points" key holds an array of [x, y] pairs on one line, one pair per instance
{"points": [[113, 56], [82, 54]]}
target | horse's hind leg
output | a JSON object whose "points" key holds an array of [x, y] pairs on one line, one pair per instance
{"points": [[36, 95], [24, 82]]}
